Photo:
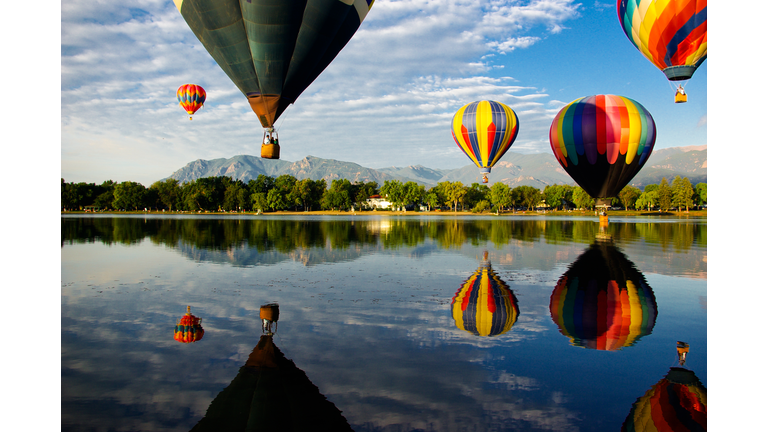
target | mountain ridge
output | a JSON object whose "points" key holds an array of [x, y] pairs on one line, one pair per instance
{"points": [[517, 169]]}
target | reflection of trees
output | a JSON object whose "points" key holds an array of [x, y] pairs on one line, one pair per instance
{"points": [[287, 235]]}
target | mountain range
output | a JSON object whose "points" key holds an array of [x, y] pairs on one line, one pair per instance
{"points": [[538, 170]]}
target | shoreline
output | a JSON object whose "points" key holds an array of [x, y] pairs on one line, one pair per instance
{"points": [[576, 213]]}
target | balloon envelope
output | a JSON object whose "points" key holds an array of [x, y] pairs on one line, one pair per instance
{"points": [[677, 403], [191, 97], [603, 302], [672, 34], [484, 305], [484, 131], [602, 142], [189, 328], [273, 50]]}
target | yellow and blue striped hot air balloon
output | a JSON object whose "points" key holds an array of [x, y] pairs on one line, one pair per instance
{"points": [[484, 305], [672, 34], [603, 302], [484, 131], [191, 97]]}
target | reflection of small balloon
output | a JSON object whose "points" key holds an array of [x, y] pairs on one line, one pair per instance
{"points": [[603, 302], [189, 328], [671, 34], [191, 97], [484, 131], [677, 403], [602, 142], [484, 305], [269, 314]]}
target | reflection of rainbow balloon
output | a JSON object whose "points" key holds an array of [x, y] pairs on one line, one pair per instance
{"points": [[677, 403], [189, 328], [602, 141], [484, 305], [672, 34], [603, 302], [484, 131]]}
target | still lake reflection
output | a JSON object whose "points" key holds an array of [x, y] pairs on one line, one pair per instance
{"points": [[385, 323]]}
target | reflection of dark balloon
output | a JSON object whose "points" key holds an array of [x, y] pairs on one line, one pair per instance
{"points": [[677, 403], [269, 314], [273, 50], [603, 302], [189, 328], [602, 142], [270, 393], [484, 305]]}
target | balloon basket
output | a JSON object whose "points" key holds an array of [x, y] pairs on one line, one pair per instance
{"points": [[270, 151], [681, 98]]}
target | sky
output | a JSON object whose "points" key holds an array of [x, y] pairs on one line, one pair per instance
{"points": [[386, 100]]}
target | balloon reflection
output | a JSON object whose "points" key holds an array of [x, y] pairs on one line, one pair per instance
{"points": [[271, 393], [189, 328], [676, 403], [484, 305], [603, 302]]}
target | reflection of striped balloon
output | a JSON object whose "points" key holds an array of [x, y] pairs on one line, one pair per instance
{"points": [[484, 305], [672, 34], [603, 302], [188, 329], [191, 97], [677, 403], [484, 131]]}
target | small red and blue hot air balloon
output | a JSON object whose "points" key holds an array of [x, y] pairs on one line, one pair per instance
{"points": [[191, 97]]}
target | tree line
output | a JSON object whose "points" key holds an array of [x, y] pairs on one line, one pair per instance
{"points": [[266, 193]]}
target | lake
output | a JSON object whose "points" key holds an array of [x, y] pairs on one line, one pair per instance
{"points": [[386, 323]]}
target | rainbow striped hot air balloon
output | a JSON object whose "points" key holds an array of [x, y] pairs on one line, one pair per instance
{"points": [[484, 305], [189, 328], [672, 34], [602, 142], [484, 131], [677, 403], [191, 97], [603, 302]]}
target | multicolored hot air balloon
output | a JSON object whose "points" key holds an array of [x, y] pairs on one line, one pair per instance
{"points": [[602, 142], [484, 305], [273, 50], [484, 131], [191, 97], [672, 34], [189, 328], [603, 302], [677, 403]]}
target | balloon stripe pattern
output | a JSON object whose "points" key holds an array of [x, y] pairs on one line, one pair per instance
{"points": [[484, 131], [484, 305], [677, 403], [189, 329], [603, 302], [672, 34], [191, 97], [602, 141]]}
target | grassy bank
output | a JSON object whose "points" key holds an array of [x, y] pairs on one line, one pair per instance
{"points": [[615, 213]]}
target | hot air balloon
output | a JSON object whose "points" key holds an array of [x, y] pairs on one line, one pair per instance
{"points": [[677, 403], [189, 328], [484, 305], [603, 302], [484, 131], [672, 34], [273, 50], [602, 142], [191, 97]]}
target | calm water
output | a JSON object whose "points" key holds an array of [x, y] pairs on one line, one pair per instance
{"points": [[380, 319]]}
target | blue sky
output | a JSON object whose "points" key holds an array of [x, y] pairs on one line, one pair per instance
{"points": [[387, 99]]}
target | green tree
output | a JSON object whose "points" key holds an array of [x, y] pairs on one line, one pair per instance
{"points": [[476, 193], [453, 193], [582, 199], [501, 196], [432, 199], [413, 193], [394, 192], [529, 196], [682, 193], [129, 195], [647, 199], [259, 201], [168, 192], [276, 200], [700, 194], [629, 196], [665, 195]]}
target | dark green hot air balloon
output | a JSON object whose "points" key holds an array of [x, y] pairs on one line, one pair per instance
{"points": [[273, 49]]}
